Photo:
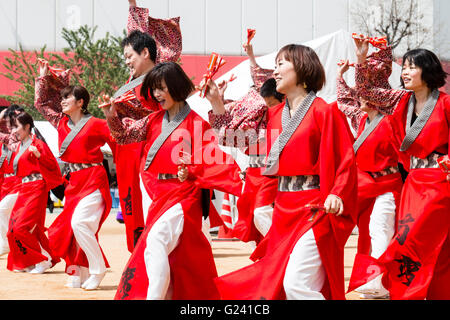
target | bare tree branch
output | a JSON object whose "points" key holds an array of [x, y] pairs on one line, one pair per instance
{"points": [[398, 20]]}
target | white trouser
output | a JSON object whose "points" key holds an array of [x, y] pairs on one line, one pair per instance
{"points": [[162, 238], [45, 253], [262, 218], [85, 221], [6, 206], [381, 231], [305, 274], [146, 200], [206, 226]]}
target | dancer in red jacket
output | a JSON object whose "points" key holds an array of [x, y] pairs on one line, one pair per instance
{"points": [[39, 172], [379, 180], [162, 264], [416, 264], [74, 233], [301, 257]]}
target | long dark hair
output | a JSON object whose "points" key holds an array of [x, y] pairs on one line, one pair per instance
{"points": [[25, 118]]}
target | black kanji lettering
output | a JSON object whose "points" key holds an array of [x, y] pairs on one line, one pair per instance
{"points": [[407, 268], [403, 228], [136, 234], [127, 275], [127, 200], [21, 247]]}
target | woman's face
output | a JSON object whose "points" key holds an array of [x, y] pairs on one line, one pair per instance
{"points": [[70, 104], [412, 76], [364, 106], [20, 131], [163, 96], [285, 75]]}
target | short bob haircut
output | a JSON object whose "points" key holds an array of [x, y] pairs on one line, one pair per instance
{"points": [[432, 72], [307, 65], [139, 40], [79, 92], [178, 83]]}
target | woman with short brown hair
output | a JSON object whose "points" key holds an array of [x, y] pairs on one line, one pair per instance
{"points": [[301, 256]]}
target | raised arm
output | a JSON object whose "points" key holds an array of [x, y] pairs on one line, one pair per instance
{"points": [[166, 32], [5, 134], [127, 130], [382, 98], [259, 75], [347, 100], [238, 123], [47, 98]]}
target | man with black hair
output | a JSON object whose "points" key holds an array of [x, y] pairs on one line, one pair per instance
{"points": [[149, 41], [270, 94]]}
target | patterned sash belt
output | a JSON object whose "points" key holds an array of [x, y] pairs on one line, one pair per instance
{"points": [[32, 177], [256, 160], [298, 183], [72, 167], [167, 176], [429, 162], [7, 175], [384, 172]]}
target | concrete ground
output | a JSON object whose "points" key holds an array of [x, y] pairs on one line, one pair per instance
{"points": [[229, 255]]}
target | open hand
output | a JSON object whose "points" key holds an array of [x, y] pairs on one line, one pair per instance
{"points": [[343, 68], [362, 48], [43, 67]]}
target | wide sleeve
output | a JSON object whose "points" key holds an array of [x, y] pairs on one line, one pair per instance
{"points": [[47, 98], [447, 116], [347, 102], [48, 165], [384, 100], [166, 32], [260, 75], [217, 170], [131, 108], [104, 132], [5, 134], [337, 160], [128, 130], [243, 123]]}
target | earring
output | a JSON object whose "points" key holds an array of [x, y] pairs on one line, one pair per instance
{"points": [[304, 85]]}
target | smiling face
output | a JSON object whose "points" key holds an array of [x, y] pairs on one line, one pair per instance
{"points": [[285, 75], [70, 104], [138, 63], [21, 131], [412, 76], [163, 96]]}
